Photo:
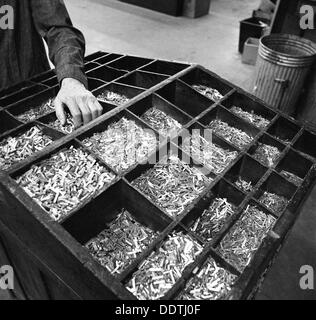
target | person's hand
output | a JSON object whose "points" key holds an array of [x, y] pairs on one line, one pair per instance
{"points": [[82, 104]]}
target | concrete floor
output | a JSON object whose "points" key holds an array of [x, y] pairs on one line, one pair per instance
{"points": [[211, 41]]}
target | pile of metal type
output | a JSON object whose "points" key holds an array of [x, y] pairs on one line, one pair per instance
{"points": [[257, 120], [161, 122], [213, 219], [231, 134], [211, 283], [267, 155], [65, 180], [123, 144], [37, 111], [244, 239], [172, 185], [67, 128], [118, 245], [16, 149], [209, 92], [160, 272], [214, 157], [113, 97]]}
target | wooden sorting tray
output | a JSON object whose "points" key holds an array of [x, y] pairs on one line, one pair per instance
{"points": [[64, 267]]}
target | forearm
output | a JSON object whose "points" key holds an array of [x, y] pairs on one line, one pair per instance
{"points": [[66, 50], [66, 44]]}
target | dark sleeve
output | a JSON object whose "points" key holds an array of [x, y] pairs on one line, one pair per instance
{"points": [[66, 44]]}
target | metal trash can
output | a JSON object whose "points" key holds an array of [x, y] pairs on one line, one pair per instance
{"points": [[283, 64]]}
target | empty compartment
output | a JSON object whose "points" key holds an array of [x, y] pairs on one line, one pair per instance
{"points": [[16, 88], [105, 74], [160, 114], [35, 107], [90, 66], [44, 76], [24, 142], [213, 280], [94, 84], [108, 58], [249, 110], [206, 148], [229, 127], [294, 167], [306, 144], [207, 84], [244, 239], [284, 130], [129, 63], [165, 67], [159, 273], [143, 80], [115, 229], [21, 95], [64, 180], [95, 56], [170, 179], [246, 174], [52, 82], [121, 141], [185, 98], [275, 193], [214, 211], [116, 94], [267, 151], [7, 122]]}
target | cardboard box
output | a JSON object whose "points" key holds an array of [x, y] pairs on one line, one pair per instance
{"points": [[250, 53]]}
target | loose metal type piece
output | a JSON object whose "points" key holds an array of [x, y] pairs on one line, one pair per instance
{"points": [[212, 239]]}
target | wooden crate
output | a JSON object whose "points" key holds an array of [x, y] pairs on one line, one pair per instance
{"points": [[50, 259]]}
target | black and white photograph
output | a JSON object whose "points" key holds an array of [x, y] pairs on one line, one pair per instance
{"points": [[159, 155]]}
